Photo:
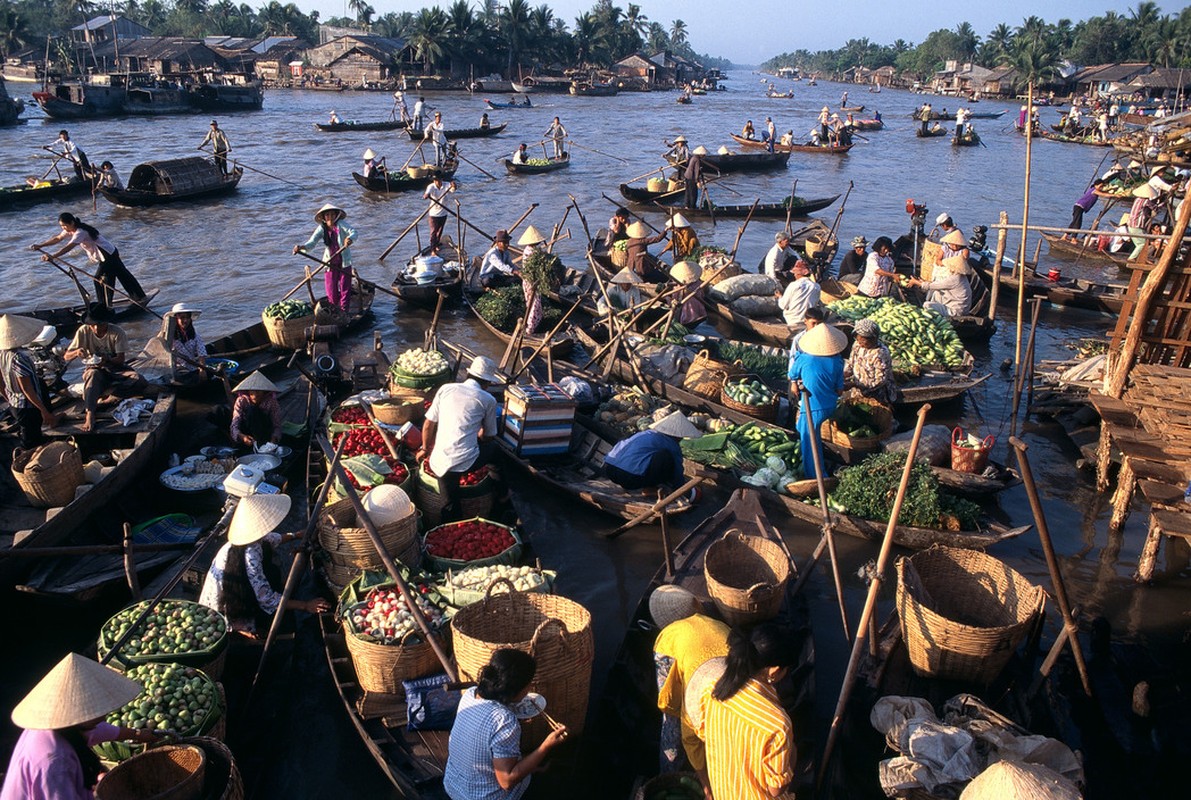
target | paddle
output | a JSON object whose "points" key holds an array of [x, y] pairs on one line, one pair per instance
{"points": [[651, 172], [707, 200], [740, 230], [790, 206], [597, 152], [828, 526], [407, 594], [870, 602], [460, 156], [69, 272], [417, 150], [363, 281], [431, 339], [403, 234], [653, 511], [296, 568], [238, 163], [73, 268]]}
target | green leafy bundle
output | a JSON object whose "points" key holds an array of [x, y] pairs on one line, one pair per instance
{"points": [[502, 307], [541, 270], [869, 488], [770, 368]]}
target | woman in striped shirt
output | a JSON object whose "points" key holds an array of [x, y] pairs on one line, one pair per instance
{"points": [[748, 735]]}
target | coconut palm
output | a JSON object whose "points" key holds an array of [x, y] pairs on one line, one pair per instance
{"points": [[429, 36], [514, 30], [678, 33], [966, 41], [656, 39], [14, 30], [998, 44]]}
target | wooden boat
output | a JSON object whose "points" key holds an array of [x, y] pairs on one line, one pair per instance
{"points": [[683, 100], [951, 115], [938, 386], [868, 124], [10, 107], [771, 331], [757, 144], [930, 133], [976, 487], [495, 105], [538, 169], [646, 198], [135, 447], [352, 125], [742, 162], [1065, 248], [426, 294], [67, 319], [1093, 141], [593, 89], [544, 84], [579, 474], [14, 197], [463, 133], [969, 139], [157, 182], [851, 109], [1137, 119], [390, 182], [563, 342], [623, 735], [780, 95], [1108, 298]]}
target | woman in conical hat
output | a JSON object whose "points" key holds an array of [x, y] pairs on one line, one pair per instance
{"points": [[28, 399], [337, 237], [819, 369], [640, 260], [63, 719], [237, 584], [256, 414], [683, 238]]}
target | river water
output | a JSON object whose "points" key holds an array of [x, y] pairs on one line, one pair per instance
{"points": [[232, 257]]}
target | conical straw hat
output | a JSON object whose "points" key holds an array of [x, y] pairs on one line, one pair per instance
{"points": [[700, 683], [700, 151], [531, 236], [625, 276], [257, 382], [956, 237], [256, 516], [686, 272], [677, 425], [329, 207], [1146, 191], [823, 340], [678, 221], [75, 691], [368, 154], [17, 331], [669, 603], [637, 230]]}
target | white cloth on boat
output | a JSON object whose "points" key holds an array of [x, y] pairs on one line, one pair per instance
{"points": [[1091, 370], [129, 411]]}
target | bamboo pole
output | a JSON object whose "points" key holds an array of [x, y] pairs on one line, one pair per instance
{"points": [[995, 289], [403, 234], [1019, 379], [1025, 222], [817, 460], [870, 603], [546, 340], [1075, 231], [655, 509]]}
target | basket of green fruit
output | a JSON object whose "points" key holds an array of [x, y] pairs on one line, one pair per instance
{"points": [[286, 323], [748, 394], [859, 425], [175, 698], [177, 631]]}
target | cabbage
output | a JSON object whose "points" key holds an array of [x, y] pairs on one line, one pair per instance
{"points": [[776, 464], [768, 476], [753, 480]]}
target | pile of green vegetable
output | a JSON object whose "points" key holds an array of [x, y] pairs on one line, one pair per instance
{"points": [[673, 335], [289, 309], [749, 392], [772, 369], [856, 420], [503, 307], [749, 447], [868, 489], [915, 336], [797, 201], [539, 162], [542, 270]]}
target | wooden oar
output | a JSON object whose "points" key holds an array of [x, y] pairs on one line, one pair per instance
{"points": [[828, 526], [460, 156], [546, 340], [296, 568], [407, 593], [522, 218], [432, 332], [707, 201], [417, 150], [653, 511], [238, 163], [403, 234], [1052, 561], [790, 206], [572, 143], [70, 273], [740, 230], [870, 602], [111, 287], [651, 172]]}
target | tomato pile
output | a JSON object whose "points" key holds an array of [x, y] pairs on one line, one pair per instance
{"points": [[362, 441], [350, 415], [467, 541], [469, 479]]}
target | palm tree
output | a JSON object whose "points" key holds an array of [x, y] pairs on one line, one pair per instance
{"points": [[636, 21], [429, 35], [1036, 64], [589, 40], [657, 39], [514, 30], [678, 33], [999, 43], [966, 41], [461, 32], [14, 30], [1162, 42]]}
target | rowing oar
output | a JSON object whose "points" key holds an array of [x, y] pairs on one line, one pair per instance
{"points": [[461, 157], [238, 163], [546, 340], [828, 526], [789, 207], [417, 150], [870, 602], [73, 277], [397, 241], [522, 218], [407, 594], [296, 568], [573, 143], [324, 265], [740, 230], [653, 511], [640, 218], [111, 287], [651, 172]]}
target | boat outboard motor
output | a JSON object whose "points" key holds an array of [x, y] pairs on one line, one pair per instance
{"points": [[47, 359], [979, 240], [917, 218]]}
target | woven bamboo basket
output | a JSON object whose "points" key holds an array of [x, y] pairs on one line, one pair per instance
{"points": [[171, 772], [399, 410], [972, 460], [765, 413], [289, 334], [963, 612], [706, 375], [619, 257], [382, 667], [50, 474], [348, 545], [223, 781], [509, 556], [554, 630], [882, 415], [746, 577], [474, 501]]}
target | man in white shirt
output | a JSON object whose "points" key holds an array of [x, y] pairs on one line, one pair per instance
{"points": [[436, 131], [64, 147], [775, 259], [459, 434], [419, 114], [521, 156], [437, 216], [497, 269], [800, 295]]}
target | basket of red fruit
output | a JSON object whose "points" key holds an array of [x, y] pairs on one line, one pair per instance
{"points": [[477, 494], [471, 543], [350, 415]]}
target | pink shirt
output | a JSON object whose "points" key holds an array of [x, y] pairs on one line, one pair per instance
{"points": [[45, 767]]}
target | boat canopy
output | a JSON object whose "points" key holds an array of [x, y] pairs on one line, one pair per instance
{"points": [[177, 176]]}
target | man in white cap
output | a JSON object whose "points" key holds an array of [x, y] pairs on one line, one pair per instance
{"points": [[651, 458], [436, 132], [28, 399], [220, 145], [334, 119], [106, 376], [459, 434], [800, 295], [946, 225]]}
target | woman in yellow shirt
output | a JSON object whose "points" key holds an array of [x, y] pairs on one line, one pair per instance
{"points": [[748, 735]]}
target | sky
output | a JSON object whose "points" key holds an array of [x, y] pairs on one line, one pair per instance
{"points": [[747, 31]]}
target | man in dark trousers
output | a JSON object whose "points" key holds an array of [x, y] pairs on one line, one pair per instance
{"points": [[695, 169]]}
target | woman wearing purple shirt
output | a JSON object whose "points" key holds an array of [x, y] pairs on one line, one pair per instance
{"points": [[1082, 206], [63, 719]]}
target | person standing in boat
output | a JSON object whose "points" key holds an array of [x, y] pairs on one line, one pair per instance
{"points": [[1082, 206], [925, 115], [63, 718], [693, 176], [63, 147], [869, 366], [100, 252], [337, 238], [237, 584], [843, 100], [27, 396], [400, 109], [436, 132], [639, 259], [879, 271], [557, 134], [220, 145], [679, 152], [819, 369], [459, 435], [256, 414], [497, 269], [419, 114], [106, 375], [435, 192], [824, 121]]}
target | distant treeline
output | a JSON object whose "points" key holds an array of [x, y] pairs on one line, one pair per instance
{"points": [[1144, 34], [489, 36]]}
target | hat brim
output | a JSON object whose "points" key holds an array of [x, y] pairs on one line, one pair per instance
{"points": [[17, 331], [257, 382], [329, 207], [823, 340], [75, 691], [700, 683], [256, 516]]}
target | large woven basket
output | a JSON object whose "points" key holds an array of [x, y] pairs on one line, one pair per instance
{"points": [[348, 545], [705, 377], [172, 772], [222, 781], [963, 612], [554, 630], [882, 415], [399, 410], [766, 413], [619, 257], [50, 474], [474, 501], [972, 460], [382, 667], [746, 577], [289, 334]]}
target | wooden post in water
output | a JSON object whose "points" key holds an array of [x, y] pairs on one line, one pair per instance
{"points": [[995, 289], [134, 583], [1025, 225]]}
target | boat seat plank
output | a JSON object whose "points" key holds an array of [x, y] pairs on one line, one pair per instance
{"points": [[1173, 523], [1161, 493]]}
